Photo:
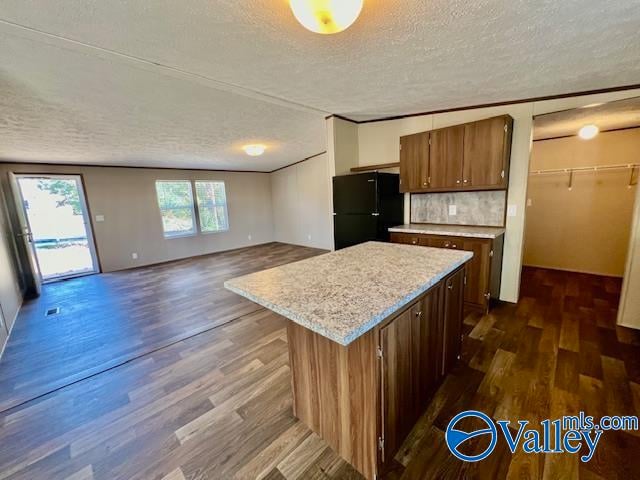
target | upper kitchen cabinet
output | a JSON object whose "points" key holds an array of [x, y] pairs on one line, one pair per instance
{"points": [[487, 151], [446, 156], [471, 156], [414, 162]]}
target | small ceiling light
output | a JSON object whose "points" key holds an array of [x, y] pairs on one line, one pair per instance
{"points": [[254, 150], [326, 16], [588, 132]]}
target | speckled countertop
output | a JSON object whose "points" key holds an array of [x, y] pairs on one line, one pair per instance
{"points": [[451, 230], [342, 295]]}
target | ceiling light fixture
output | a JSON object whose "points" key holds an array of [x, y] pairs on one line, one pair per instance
{"points": [[254, 150], [588, 132], [326, 16]]}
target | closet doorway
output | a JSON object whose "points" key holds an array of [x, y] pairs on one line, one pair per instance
{"points": [[582, 190]]}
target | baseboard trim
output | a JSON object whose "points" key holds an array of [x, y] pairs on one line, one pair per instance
{"points": [[569, 270]]}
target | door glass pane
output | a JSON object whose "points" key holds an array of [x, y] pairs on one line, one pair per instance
{"points": [[56, 218]]}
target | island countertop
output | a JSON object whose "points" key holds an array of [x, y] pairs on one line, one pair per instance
{"points": [[342, 295]]}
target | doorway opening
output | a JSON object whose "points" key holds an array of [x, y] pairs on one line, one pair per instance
{"points": [[59, 228], [582, 189]]}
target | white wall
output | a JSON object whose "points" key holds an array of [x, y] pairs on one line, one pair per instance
{"points": [[564, 228], [379, 142], [629, 312], [127, 199], [301, 204], [10, 295]]}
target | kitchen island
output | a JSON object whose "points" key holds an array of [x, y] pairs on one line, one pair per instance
{"points": [[373, 329]]}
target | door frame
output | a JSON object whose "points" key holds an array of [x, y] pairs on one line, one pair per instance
{"points": [[86, 215]]}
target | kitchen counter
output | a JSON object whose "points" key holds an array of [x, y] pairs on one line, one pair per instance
{"points": [[450, 230], [341, 295]]}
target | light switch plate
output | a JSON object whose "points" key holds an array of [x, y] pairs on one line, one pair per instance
{"points": [[512, 210], [453, 210], [99, 218], [529, 202], [134, 256]]}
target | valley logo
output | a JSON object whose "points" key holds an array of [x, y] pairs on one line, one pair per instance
{"points": [[570, 434]]}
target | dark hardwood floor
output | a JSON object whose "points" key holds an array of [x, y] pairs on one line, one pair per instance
{"points": [[106, 320], [217, 405]]}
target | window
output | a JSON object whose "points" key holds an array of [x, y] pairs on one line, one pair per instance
{"points": [[212, 206], [175, 200]]}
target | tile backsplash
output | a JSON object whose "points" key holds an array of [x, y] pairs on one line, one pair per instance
{"points": [[471, 208]]}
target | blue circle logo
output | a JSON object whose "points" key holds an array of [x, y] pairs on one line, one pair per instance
{"points": [[455, 438]]}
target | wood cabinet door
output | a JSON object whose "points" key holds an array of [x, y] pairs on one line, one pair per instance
{"points": [[414, 162], [477, 270], [487, 148], [411, 367], [453, 315], [397, 400], [426, 334], [446, 153]]}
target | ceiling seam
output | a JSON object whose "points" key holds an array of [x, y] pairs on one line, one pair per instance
{"points": [[217, 84]]}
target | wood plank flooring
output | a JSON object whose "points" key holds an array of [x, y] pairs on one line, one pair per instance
{"points": [[106, 320], [218, 405]]}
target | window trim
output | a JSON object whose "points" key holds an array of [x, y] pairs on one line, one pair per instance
{"points": [[194, 217], [226, 207], [195, 209]]}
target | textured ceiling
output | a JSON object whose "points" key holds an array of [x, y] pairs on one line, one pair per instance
{"points": [[608, 116], [228, 58]]}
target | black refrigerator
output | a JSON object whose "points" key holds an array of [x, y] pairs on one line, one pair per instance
{"points": [[365, 206]]}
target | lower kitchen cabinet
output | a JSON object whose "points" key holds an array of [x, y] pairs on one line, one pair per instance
{"points": [[417, 349], [483, 271], [412, 366], [364, 399]]}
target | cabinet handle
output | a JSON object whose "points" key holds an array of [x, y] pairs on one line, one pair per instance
{"points": [[419, 314], [457, 181], [454, 246], [414, 242], [450, 287], [466, 181]]}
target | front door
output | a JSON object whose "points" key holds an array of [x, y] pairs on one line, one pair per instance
{"points": [[58, 226]]}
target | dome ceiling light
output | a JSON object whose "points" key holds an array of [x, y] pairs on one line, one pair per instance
{"points": [[588, 132], [254, 150], [326, 16]]}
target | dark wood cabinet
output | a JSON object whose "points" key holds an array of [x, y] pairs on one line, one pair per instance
{"points": [[471, 156], [453, 315], [487, 150], [417, 349], [363, 399], [446, 154], [414, 162], [483, 271]]}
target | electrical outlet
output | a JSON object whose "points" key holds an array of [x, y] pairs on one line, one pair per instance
{"points": [[529, 202], [249, 237], [99, 218], [453, 210], [134, 256], [308, 237], [512, 210]]}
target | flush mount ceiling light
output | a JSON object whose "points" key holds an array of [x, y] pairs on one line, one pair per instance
{"points": [[588, 132], [326, 16], [254, 150]]}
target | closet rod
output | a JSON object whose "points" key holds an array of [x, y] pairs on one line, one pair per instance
{"points": [[596, 168]]}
